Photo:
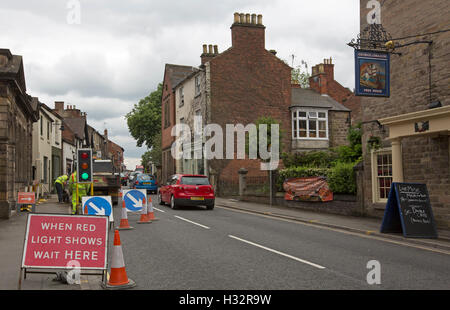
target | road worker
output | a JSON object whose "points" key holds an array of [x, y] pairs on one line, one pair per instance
{"points": [[60, 183], [83, 190]]}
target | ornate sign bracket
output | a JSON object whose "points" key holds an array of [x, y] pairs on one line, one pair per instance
{"points": [[374, 38]]}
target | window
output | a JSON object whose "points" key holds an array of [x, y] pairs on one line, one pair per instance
{"points": [[197, 85], [48, 130], [309, 124], [181, 93], [41, 121], [381, 174], [166, 114]]}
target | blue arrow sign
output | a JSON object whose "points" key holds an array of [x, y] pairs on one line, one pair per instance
{"points": [[134, 200], [97, 206]]}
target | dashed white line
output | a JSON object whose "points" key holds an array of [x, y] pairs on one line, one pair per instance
{"points": [[159, 210], [189, 221], [278, 252]]}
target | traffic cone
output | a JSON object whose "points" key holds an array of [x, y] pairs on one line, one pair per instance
{"points": [[144, 217], [118, 278], [124, 220], [151, 214]]}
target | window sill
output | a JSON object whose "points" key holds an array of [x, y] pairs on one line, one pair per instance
{"points": [[320, 139], [379, 205]]}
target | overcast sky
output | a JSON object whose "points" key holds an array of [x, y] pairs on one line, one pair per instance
{"points": [[116, 54]]}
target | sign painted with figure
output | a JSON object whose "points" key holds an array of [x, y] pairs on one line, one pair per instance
{"points": [[134, 199], [57, 240], [98, 205], [372, 74]]}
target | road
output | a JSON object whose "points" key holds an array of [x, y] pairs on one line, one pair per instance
{"points": [[196, 249]]}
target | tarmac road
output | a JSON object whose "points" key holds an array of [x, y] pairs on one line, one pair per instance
{"points": [[196, 249]]}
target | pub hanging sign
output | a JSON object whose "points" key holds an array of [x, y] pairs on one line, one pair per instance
{"points": [[372, 73]]}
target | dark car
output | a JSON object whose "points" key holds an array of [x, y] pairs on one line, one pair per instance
{"points": [[146, 181], [187, 190]]}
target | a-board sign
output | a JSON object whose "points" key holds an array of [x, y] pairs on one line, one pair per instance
{"points": [[408, 210], [97, 205], [57, 240], [26, 198]]}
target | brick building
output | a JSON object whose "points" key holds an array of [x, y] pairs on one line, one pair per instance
{"points": [[322, 80], [115, 153], [410, 151], [173, 74], [18, 112]]}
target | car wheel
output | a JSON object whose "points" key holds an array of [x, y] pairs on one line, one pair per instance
{"points": [[173, 205], [160, 201]]}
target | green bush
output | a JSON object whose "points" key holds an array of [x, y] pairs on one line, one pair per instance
{"points": [[319, 159], [299, 172], [341, 179]]}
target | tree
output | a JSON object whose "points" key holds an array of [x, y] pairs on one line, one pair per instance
{"points": [[298, 76], [154, 155], [144, 120]]}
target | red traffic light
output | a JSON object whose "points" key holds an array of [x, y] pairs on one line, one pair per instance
{"points": [[84, 155]]}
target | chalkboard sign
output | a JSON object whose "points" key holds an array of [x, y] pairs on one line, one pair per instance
{"points": [[408, 210]]}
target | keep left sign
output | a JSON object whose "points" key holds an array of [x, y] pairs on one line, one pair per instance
{"points": [[56, 240], [98, 205]]}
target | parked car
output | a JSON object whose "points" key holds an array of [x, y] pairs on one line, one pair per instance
{"points": [[132, 177], [146, 181], [187, 190], [124, 178]]}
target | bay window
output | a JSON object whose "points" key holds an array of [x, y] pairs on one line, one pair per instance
{"points": [[309, 124]]}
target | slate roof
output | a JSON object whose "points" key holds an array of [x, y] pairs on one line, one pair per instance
{"points": [[77, 125], [177, 73], [306, 97]]}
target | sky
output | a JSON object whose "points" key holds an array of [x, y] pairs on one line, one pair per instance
{"points": [[103, 56]]}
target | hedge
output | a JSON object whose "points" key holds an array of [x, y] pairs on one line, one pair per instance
{"points": [[341, 177]]}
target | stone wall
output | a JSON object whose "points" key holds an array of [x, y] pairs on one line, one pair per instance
{"points": [[425, 159]]}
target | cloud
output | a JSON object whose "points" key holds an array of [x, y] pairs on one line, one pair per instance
{"points": [[116, 55]]}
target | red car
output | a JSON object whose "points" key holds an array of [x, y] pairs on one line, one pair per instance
{"points": [[187, 190]]}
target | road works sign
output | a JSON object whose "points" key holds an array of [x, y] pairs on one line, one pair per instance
{"points": [[98, 205], [134, 199], [25, 198], [57, 240]]}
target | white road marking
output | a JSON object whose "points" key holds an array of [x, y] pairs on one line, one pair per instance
{"points": [[179, 217], [278, 252], [159, 210]]}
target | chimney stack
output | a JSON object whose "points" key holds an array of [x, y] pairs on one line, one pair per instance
{"points": [[209, 52], [59, 106], [322, 74], [247, 31]]}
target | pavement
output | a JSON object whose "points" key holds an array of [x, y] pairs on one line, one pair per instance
{"points": [[359, 225]]}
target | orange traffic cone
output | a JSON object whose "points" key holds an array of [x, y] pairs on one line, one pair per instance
{"points": [[118, 278], [124, 220], [151, 214], [144, 217]]}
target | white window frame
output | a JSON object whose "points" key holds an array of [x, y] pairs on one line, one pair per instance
{"points": [[309, 116], [181, 96], [375, 184], [197, 85]]}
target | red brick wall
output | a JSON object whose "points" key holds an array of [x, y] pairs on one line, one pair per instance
{"points": [[248, 82]]}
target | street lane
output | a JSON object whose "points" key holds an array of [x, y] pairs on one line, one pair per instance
{"points": [[181, 255]]}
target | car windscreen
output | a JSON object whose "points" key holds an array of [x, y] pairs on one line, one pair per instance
{"points": [[194, 181], [145, 177]]}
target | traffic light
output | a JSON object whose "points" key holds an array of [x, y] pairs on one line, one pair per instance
{"points": [[84, 166]]}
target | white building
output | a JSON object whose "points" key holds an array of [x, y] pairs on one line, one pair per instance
{"points": [[47, 150]]}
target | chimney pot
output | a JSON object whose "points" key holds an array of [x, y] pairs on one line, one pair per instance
{"points": [[254, 19], [259, 19], [205, 49], [247, 19], [242, 18], [236, 17], [216, 50], [210, 49]]}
